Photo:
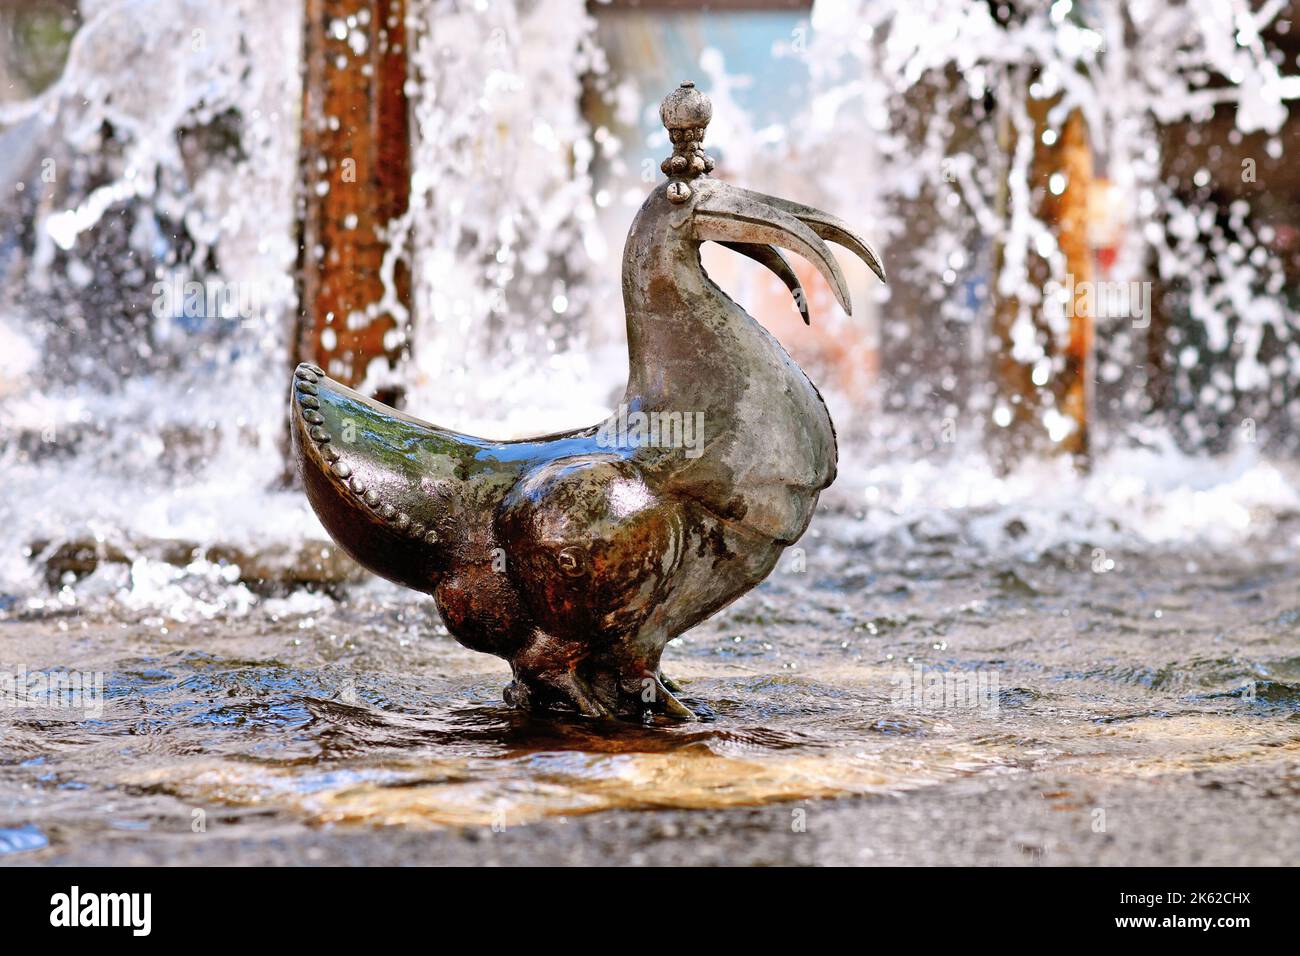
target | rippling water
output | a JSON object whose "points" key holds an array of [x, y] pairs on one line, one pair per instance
{"points": [[1158, 693]]}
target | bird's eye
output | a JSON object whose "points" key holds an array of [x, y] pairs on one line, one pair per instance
{"points": [[570, 561]]}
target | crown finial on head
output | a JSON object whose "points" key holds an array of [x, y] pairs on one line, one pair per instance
{"points": [[686, 113]]}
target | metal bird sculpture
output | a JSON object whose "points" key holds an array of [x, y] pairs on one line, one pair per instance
{"points": [[577, 557]]}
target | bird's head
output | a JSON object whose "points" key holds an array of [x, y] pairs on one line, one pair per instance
{"points": [[692, 208]]}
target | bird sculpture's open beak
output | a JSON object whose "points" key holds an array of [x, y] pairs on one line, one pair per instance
{"points": [[754, 225]]}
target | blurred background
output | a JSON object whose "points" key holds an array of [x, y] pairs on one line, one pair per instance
{"points": [[1088, 211], [1068, 426]]}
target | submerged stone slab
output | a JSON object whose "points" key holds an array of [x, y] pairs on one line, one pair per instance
{"points": [[309, 563]]}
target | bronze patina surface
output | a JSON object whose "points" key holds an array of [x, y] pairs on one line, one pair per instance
{"points": [[577, 557]]}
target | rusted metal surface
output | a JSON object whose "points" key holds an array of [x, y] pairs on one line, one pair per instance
{"points": [[1071, 156], [355, 162], [1066, 153], [577, 557]]}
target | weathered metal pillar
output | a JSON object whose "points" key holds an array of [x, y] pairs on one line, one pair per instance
{"points": [[1060, 184], [355, 162], [1071, 157]]}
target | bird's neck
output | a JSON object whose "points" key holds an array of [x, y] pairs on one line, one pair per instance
{"points": [[688, 342], [768, 437]]}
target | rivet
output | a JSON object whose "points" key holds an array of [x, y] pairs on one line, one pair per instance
{"points": [[568, 561], [416, 530], [678, 192], [401, 521], [307, 387], [313, 416], [329, 453], [320, 435], [386, 511], [341, 468], [431, 537], [307, 401], [307, 375], [372, 498], [317, 369], [358, 486]]}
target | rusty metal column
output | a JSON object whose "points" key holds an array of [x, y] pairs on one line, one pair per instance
{"points": [[355, 162], [1065, 211]]}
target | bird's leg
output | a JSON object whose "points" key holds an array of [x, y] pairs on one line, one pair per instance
{"points": [[556, 674], [626, 674], [547, 678]]}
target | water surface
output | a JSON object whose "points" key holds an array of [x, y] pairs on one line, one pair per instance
{"points": [[1123, 711]]}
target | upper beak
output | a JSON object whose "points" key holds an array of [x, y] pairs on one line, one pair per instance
{"points": [[830, 228], [751, 223]]}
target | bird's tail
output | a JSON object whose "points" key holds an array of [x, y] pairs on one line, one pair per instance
{"points": [[389, 488]]}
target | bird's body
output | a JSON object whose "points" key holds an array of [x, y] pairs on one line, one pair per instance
{"points": [[578, 556]]}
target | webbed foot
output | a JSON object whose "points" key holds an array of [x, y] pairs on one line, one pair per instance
{"points": [[558, 675]]}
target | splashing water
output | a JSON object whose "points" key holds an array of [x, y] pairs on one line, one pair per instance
{"points": [[125, 425], [502, 220], [122, 420], [927, 85]]}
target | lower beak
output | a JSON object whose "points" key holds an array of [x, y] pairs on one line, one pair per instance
{"points": [[770, 256]]}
